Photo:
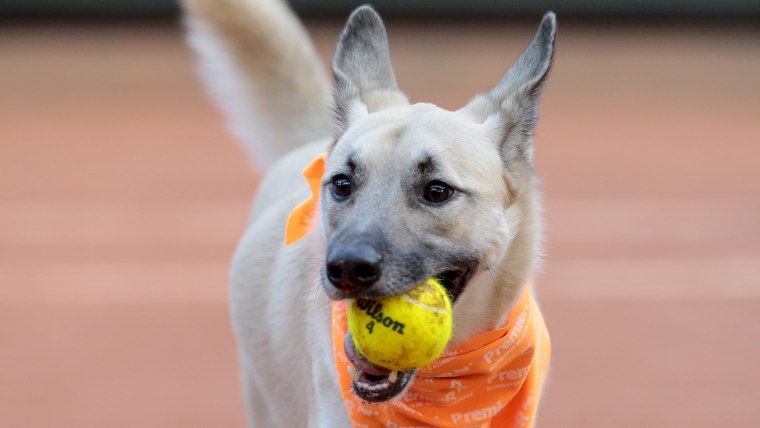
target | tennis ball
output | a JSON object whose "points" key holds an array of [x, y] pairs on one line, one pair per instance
{"points": [[402, 332]]}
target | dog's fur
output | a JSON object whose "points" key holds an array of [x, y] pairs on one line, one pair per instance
{"points": [[265, 74]]}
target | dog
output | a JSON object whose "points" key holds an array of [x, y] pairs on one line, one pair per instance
{"points": [[408, 192]]}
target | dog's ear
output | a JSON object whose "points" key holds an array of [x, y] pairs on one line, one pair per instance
{"points": [[513, 104], [364, 79]]}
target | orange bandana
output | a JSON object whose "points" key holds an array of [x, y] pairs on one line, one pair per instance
{"points": [[493, 379], [301, 219]]}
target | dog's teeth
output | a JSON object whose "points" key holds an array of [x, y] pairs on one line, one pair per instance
{"points": [[354, 373], [393, 376]]}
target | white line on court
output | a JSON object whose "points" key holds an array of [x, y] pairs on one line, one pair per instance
{"points": [[652, 279]]}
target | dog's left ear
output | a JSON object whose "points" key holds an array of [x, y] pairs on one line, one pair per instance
{"points": [[513, 104], [364, 78]]}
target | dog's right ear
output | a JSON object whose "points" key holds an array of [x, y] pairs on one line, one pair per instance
{"points": [[364, 78]]}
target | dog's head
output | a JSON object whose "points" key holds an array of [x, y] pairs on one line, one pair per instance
{"points": [[414, 191]]}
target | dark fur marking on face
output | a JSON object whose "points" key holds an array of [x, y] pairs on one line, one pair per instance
{"points": [[427, 166], [351, 164]]}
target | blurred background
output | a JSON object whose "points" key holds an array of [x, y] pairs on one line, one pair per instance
{"points": [[122, 198]]}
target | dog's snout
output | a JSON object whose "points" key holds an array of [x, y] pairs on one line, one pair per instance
{"points": [[353, 268]]}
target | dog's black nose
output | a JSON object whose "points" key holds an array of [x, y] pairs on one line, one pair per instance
{"points": [[353, 267]]}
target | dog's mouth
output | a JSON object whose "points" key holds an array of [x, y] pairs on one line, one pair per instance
{"points": [[373, 383], [455, 280]]}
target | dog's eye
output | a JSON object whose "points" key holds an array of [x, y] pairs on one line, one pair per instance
{"points": [[437, 191], [341, 187]]}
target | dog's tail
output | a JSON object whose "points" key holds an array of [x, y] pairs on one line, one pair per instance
{"points": [[263, 71]]}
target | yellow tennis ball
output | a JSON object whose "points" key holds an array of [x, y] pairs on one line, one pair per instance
{"points": [[402, 332]]}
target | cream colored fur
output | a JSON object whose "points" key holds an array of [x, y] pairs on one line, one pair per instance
{"points": [[265, 74]]}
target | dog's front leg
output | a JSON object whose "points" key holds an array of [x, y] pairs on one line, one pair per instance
{"points": [[328, 409]]}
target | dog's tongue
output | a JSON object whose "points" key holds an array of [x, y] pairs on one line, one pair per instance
{"points": [[358, 360]]}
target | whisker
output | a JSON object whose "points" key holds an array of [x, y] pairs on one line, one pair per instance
{"points": [[490, 272]]}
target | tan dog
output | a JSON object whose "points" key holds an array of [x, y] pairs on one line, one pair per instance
{"points": [[410, 192]]}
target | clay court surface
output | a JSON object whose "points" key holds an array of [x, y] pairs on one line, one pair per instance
{"points": [[122, 197]]}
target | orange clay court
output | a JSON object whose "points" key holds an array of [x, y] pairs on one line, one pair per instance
{"points": [[122, 197]]}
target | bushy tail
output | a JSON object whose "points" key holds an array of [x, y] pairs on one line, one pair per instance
{"points": [[263, 71]]}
